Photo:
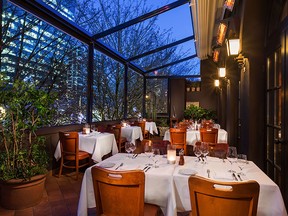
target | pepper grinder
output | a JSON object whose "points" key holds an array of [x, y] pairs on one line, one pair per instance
{"points": [[181, 160]]}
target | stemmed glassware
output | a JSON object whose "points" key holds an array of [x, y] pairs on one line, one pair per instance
{"points": [[197, 152], [204, 150], [232, 155], [132, 147], [128, 148]]}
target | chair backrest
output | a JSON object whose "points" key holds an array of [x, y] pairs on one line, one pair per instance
{"points": [[207, 123], [117, 132], [184, 124], [173, 121], [142, 125], [143, 143], [69, 143], [118, 192], [218, 149], [209, 197], [209, 135], [178, 138]]}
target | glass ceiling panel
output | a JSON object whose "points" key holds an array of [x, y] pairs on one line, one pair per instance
{"points": [[96, 16]]}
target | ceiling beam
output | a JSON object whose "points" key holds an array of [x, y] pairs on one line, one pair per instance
{"points": [[141, 18], [174, 76], [162, 48], [47, 14], [170, 64]]}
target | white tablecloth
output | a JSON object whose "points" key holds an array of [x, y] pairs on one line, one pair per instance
{"points": [[132, 133], [97, 144], [167, 188], [192, 136], [151, 127]]}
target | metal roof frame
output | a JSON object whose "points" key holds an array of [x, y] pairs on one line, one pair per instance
{"points": [[47, 14]]}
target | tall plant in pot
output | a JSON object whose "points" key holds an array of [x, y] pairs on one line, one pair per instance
{"points": [[23, 156]]}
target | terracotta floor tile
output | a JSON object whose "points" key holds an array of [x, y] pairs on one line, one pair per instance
{"points": [[59, 208], [24, 212]]}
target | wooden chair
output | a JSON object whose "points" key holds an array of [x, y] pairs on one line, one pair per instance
{"points": [[184, 124], [145, 132], [209, 135], [207, 124], [121, 193], [173, 121], [215, 198], [178, 138], [119, 139], [143, 143], [70, 153], [218, 150]]}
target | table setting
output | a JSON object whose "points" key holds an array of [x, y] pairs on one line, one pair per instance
{"points": [[95, 143], [166, 184]]}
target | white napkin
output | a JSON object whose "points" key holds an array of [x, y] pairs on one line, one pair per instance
{"points": [[223, 176]]}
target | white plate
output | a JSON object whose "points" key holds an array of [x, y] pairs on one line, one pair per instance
{"points": [[107, 165], [187, 172]]}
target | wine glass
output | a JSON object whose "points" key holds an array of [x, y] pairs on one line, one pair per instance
{"points": [[128, 148], [232, 155], [132, 147], [204, 150], [197, 152]]}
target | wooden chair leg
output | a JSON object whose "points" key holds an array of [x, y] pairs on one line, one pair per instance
{"points": [[77, 169], [61, 167]]}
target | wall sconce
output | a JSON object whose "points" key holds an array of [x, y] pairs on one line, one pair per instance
{"points": [[216, 83], [233, 46], [222, 72]]}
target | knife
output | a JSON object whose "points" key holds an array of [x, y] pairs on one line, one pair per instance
{"points": [[119, 166], [234, 175]]}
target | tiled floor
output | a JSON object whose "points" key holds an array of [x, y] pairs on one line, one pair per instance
{"points": [[60, 198]]}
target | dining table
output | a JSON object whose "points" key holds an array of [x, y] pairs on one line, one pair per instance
{"points": [[96, 143], [166, 184], [132, 133], [193, 136], [151, 127]]}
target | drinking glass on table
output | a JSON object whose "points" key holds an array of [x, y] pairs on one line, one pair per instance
{"points": [[204, 150], [232, 155], [128, 148], [132, 147], [197, 152]]}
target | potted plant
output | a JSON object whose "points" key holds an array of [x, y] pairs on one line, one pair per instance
{"points": [[198, 113], [163, 126], [23, 156]]}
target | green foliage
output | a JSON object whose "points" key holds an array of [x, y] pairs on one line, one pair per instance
{"points": [[23, 110], [198, 113], [162, 122]]}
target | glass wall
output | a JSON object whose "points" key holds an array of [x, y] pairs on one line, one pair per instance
{"points": [[36, 52]]}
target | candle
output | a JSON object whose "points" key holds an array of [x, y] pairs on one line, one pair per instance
{"points": [[171, 154], [86, 130]]}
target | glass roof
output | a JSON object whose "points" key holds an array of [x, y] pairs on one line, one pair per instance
{"points": [[141, 31]]}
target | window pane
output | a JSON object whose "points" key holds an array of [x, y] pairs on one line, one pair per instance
{"points": [[108, 88], [36, 52]]}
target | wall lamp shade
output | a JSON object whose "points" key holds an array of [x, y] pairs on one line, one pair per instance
{"points": [[233, 46], [222, 71], [217, 83]]}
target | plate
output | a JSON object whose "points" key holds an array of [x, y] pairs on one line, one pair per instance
{"points": [[187, 172], [107, 165]]}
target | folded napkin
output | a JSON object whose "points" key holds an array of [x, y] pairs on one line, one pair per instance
{"points": [[223, 176], [131, 167]]}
